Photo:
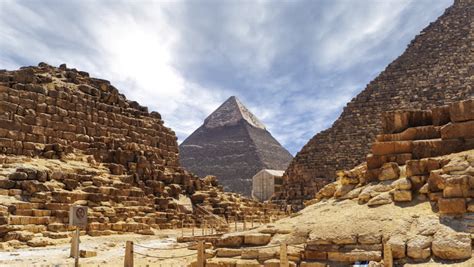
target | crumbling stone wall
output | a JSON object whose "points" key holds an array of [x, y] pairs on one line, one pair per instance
{"points": [[69, 139], [436, 68]]}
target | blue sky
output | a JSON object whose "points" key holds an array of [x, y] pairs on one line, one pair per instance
{"points": [[294, 64]]}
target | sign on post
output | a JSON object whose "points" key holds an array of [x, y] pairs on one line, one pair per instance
{"points": [[78, 216]]}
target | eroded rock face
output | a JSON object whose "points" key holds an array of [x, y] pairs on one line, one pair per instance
{"points": [[452, 245], [69, 139], [443, 47]]}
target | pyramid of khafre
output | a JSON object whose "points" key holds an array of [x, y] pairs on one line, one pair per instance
{"points": [[233, 145], [436, 68]]}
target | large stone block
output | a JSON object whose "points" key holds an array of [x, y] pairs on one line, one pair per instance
{"points": [[392, 147], [456, 186], [452, 245], [389, 171], [230, 240], [436, 147], [402, 195], [452, 205], [440, 115], [414, 133], [458, 130], [374, 162], [462, 111], [355, 255], [257, 239], [399, 120], [398, 245]]}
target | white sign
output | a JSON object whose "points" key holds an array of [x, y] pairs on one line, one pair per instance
{"points": [[78, 216]]}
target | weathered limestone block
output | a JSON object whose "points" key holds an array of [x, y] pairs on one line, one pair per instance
{"points": [[228, 252], [414, 133], [440, 115], [402, 184], [312, 264], [376, 161], [315, 255], [456, 186], [342, 190], [435, 147], [421, 167], [392, 147], [369, 238], [327, 191], [458, 130], [247, 263], [230, 240], [249, 253], [381, 199], [257, 239], [462, 110], [276, 263], [452, 205], [418, 247], [402, 195], [452, 245], [398, 246], [355, 255], [389, 171], [397, 121]]}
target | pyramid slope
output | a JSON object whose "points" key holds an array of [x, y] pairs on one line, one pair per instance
{"points": [[435, 69], [233, 145], [230, 113]]}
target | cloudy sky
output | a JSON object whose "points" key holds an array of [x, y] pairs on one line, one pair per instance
{"points": [[294, 64]]}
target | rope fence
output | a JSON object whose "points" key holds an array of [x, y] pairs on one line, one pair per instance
{"points": [[207, 225]]}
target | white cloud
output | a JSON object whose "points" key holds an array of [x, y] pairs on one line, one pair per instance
{"points": [[294, 64]]}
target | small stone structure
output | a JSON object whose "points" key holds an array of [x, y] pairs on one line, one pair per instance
{"points": [[264, 182]]}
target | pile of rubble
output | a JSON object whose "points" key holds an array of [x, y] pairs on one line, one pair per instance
{"points": [[69, 139], [435, 69], [413, 198]]}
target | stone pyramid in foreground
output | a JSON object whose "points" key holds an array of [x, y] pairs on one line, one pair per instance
{"points": [[435, 69], [233, 145]]}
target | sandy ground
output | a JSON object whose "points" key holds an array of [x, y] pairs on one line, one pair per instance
{"points": [[110, 251]]}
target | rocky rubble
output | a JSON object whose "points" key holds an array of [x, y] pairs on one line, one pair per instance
{"points": [[413, 196], [435, 69], [69, 139]]}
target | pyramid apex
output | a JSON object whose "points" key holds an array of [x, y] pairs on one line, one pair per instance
{"points": [[230, 113]]}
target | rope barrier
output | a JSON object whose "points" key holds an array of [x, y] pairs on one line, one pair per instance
{"points": [[164, 258], [188, 246]]}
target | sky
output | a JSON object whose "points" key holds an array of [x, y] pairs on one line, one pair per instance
{"points": [[294, 64]]}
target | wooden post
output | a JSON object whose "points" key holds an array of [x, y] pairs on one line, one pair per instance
{"points": [[387, 255], [245, 224], [128, 260], [202, 226], [283, 256], [201, 255], [235, 223], [182, 228], [205, 227], [75, 247], [193, 227], [252, 221]]}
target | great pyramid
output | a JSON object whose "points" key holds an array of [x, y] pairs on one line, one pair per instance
{"points": [[233, 145], [435, 69]]}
